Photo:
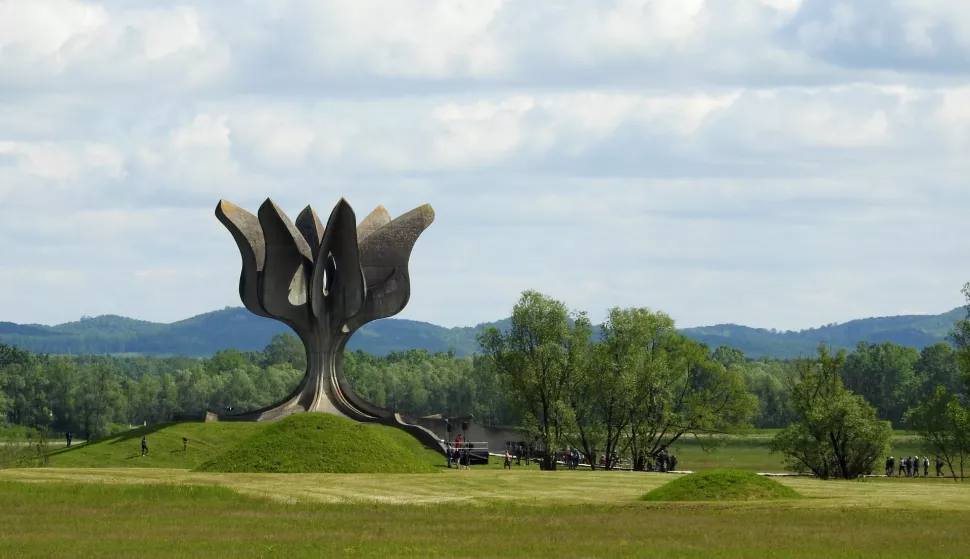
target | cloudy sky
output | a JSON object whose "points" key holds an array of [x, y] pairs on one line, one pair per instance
{"points": [[776, 163]]}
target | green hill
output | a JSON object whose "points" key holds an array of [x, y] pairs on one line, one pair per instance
{"points": [[203, 335], [237, 328], [722, 485], [206, 440], [908, 330], [324, 443]]}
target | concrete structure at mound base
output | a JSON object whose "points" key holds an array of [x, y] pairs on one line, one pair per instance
{"points": [[325, 282]]}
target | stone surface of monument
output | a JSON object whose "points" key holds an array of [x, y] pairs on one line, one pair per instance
{"points": [[325, 281]]}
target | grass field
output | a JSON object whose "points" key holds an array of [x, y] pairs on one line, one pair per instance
{"points": [[156, 506], [750, 452], [479, 513], [208, 440], [165, 449]]}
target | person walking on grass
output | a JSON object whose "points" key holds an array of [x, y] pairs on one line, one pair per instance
{"points": [[508, 461], [144, 446], [939, 466], [916, 466]]}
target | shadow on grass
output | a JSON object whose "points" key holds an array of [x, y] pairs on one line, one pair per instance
{"points": [[127, 436], [138, 432]]}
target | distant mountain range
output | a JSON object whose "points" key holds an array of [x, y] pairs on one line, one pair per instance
{"points": [[237, 328]]}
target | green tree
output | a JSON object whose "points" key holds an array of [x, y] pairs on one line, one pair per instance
{"points": [[533, 359], [837, 433], [943, 425], [62, 387], [943, 418], [620, 368], [728, 356], [683, 392], [960, 336], [768, 382], [884, 375], [288, 349], [100, 397], [937, 366]]}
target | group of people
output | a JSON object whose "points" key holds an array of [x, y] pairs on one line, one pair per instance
{"points": [[665, 462], [571, 457], [909, 466], [458, 454]]}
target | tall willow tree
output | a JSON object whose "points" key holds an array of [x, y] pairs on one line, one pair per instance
{"points": [[837, 433], [536, 359]]}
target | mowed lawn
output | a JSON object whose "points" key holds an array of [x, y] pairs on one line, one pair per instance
{"points": [[751, 452], [478, 513], [207, 440]]}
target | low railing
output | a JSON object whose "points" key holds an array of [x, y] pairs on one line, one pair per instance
{"points": [[475, 451]]}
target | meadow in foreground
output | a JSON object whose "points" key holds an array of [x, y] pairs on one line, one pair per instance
{"points": [[484, 513]]}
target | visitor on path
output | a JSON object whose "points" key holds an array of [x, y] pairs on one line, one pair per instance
{"points": [[508, 461], [926, 466], [673, 463], [144, 446], [916, 466], [902, 466], [939, 466], [448, 455], [69, 438], [889, 466], [909, 466]]}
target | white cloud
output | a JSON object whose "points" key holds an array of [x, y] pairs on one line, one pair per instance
{"points": [[43, 41], [756, 161]]}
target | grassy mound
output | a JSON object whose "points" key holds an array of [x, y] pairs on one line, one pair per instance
{"points": [[206, 440], [722, 485], [317, 442]]}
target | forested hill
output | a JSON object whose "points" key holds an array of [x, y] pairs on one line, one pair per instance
{"points": [[237, 328], [908, 330]]}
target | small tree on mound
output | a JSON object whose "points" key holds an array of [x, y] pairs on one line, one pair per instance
{"points": [[837, 433]]}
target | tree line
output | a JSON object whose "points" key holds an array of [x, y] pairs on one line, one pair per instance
{"points": [[635, 388], [642, 386]]}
